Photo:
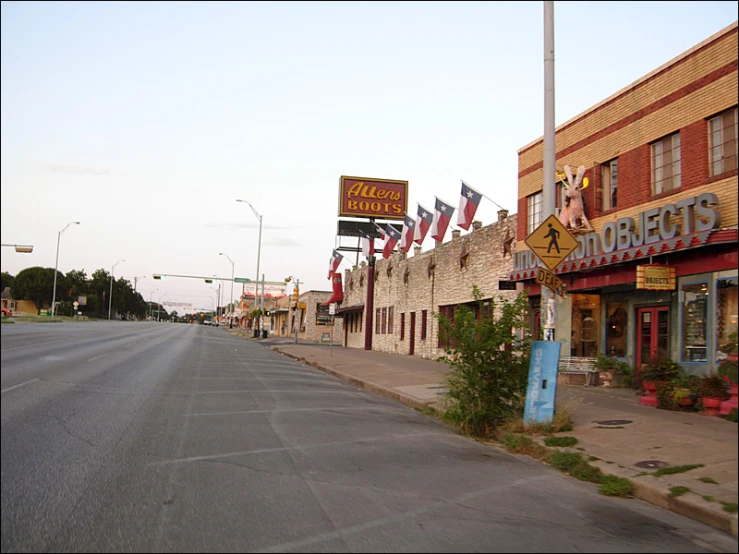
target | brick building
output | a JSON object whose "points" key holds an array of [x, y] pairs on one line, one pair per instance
{"points": [[409, 290], [661, 158]]}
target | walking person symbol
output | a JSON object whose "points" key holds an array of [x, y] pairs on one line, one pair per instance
{"points": [[553, 235]]}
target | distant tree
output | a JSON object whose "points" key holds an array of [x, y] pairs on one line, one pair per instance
{"points": [[35, 284], [6, 280]]}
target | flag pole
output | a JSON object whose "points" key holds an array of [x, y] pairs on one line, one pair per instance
{"points": [[483, 195]]}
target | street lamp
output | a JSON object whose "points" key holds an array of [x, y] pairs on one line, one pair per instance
{"points": [[135, 279], [259, 251], [56, 265], [150, 296], [231, 314], [110, 299]]}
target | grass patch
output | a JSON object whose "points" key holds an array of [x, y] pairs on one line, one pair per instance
{"points": [[707, 480], [521, 444], [560, 441], [586, 472], [593, 458], [730, 507], [564, 461], [678, 491], [642, 473], [429, 411], [611, 485], [708, 498], [671, 470]]}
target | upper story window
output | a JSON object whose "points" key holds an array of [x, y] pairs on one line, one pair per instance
{"points": [[609, 178], [534, 212], [666, 164], [722, 143]]}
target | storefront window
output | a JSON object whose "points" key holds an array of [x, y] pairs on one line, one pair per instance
{"points": [[727, 313], [585, 327], [617, 322], [695, 303]]}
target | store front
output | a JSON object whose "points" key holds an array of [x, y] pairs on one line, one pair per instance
{"points": [[661, 295]]}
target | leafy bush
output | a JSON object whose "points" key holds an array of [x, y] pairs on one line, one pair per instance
{"points": [[713, 386], [661, 370], [733, 415], [490, 364], [611, 485]]}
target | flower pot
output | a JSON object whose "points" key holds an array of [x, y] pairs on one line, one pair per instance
{"points": [[711, 405], [731, 403], [649, 399]]}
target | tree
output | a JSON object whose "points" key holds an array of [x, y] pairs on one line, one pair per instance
{"points": [[6, 280], [488, 350], [35, 284]]}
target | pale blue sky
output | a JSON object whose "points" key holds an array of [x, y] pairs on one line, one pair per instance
{"points": [[145, 121]]}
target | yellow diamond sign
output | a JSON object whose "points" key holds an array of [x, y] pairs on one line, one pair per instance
{"points": [[551, 242]]}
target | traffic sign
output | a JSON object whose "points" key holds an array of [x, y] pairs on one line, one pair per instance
{"points": [[241, 280], [551, 242], [75, 304], [547, 278]]}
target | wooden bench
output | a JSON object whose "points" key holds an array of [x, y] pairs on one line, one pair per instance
{"points": [[575, 365]]}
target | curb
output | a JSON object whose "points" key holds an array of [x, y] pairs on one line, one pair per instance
{"points": [[366, 385], [689, 505], [656, 491]]}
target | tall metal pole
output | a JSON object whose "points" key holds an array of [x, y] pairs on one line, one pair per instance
{"points": [[56, 266], [548, 303], [231, 312], [110, 296], [259, 254], [151, 294]]}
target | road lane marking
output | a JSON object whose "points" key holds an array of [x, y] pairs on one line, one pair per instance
{"points": [[17, 386], [96, 357], [291, 448], [286, 410]]}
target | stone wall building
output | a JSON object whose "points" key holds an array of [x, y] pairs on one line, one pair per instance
{"points": [[410, 290]]}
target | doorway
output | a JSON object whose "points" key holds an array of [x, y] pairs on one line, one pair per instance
{"points": [[652, 334], [412, 336]]}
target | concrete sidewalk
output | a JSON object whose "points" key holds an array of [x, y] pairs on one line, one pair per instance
{"points": [[628, 440]]}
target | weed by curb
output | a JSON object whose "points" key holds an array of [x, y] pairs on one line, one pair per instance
{"points": [[616, 486], [560, 441], [678, 491], [730, 507], [671, 470], [707, 480]]}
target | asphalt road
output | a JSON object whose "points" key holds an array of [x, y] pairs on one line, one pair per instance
{"points": [[146, 437]]}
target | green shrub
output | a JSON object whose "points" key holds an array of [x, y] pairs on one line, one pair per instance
{"points": [[733, 415], [564, 461], [490, 364], [671, 470], [678, 491], [611, 485], [560, 441], [585, 472]]}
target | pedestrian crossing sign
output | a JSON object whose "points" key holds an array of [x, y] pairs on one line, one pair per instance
{"points": [[551, 242]]}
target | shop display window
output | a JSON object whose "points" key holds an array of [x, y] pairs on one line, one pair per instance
{"points": [[727, 314], [695, 324], [617, 323], [585, 325]]}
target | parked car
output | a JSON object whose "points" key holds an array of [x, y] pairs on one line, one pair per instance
{"points": [[7, 312]]}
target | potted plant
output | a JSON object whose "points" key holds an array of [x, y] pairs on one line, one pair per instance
{"points": [[685, 391], [612, 369], [712, 389], [657, 379]]}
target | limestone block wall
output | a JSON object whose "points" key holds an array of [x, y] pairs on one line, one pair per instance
{"points": [[426, 281]]}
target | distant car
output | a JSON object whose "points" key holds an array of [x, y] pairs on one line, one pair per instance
{"points": [[7, 312]]}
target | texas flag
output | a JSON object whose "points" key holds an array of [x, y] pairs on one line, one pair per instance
{"points": [[392, 239], [423, 223], [334, 263], [379, 230], [442, 216], [409, 227], [368, 244], [468, 203]]}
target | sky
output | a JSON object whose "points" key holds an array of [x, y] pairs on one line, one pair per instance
{"points": [[146, 121]]}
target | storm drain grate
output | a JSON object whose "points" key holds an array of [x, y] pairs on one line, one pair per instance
{"points": [[615, 422], [651, 464]]}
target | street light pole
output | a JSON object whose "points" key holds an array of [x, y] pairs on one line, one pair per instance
{"points": [[151, 294], [136, 279], [110, 296], [56, 265], [231, 314], [259, 252]]}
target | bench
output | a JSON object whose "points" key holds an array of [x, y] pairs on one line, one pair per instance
{"points": [[575, 365]]}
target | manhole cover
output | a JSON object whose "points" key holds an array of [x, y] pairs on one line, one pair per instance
{"points": [[614, 422], [651, 464]]}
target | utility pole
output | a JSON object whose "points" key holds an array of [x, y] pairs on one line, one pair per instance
{"points": [[548, 303]]}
